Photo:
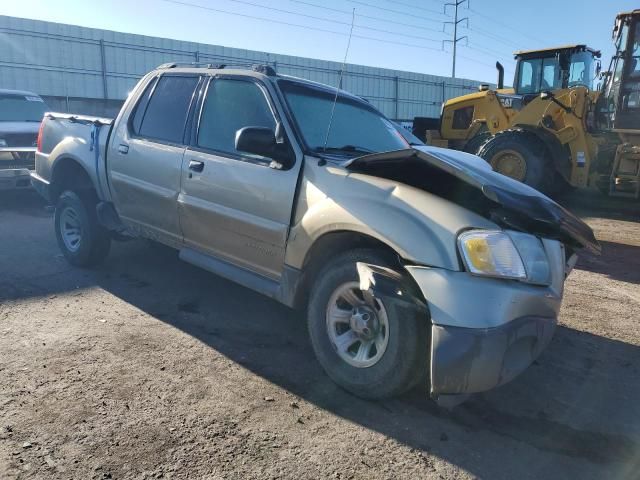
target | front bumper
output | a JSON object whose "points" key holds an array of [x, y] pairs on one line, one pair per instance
{"points": [[15, 178], [471, 360], [487, 331]]}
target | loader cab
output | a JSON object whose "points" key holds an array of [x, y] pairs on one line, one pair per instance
{"points": [[619, 105], [554, 69]]}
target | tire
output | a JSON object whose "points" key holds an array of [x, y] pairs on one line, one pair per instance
{"points": [[475, 143], [76, 213], [404, 358], [522, 156]]}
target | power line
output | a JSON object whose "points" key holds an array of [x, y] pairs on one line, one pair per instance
{"points": [[487, 51], [370, 17], [417, 7], [505, 25], [297, 25], [365, 4], [495, 37], [313, 17]]}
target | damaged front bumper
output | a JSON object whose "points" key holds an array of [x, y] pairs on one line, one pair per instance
{"points": [[484, 331]]}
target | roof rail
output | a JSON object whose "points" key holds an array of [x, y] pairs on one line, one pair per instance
{"points": [[260, 68], [190, 64]]}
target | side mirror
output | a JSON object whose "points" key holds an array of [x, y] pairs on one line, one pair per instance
{"points": [[546, 96], [262, 141], [257, 140]]}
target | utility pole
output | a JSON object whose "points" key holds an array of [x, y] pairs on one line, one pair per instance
{"points": [[456, 21]]}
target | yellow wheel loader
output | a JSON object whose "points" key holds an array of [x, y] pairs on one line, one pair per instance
{"points": [[617, 114], [553, 129]]}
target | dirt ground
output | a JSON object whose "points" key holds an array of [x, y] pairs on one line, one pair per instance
{"points": [[150, 368]]}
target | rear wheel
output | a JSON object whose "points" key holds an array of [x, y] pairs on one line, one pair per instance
{"points": [[82, 240], [372, 349], [520, 156]]}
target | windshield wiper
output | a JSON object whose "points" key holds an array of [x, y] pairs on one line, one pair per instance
{"points": [[344, 149]]}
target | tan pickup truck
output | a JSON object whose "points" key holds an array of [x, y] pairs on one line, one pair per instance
{"points": [[415, 264]]}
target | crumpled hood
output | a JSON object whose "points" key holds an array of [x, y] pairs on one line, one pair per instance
{"points": [[517, 205]]}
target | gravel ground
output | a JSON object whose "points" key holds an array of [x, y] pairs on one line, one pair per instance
{"points": [[150, 368]]}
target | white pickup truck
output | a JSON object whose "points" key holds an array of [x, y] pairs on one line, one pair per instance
{"points": [[20, 116], [415, 264]]}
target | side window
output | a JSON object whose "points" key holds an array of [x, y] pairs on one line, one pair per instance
{"points": [[141, 107], [550, 74], [166, 112], [231, 105], [526, 77], [529, 76]]}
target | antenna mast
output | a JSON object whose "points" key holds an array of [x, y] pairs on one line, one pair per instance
{"points": [[344, 62]]}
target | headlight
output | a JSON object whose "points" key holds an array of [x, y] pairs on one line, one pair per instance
{"points": [[513, 255], [534, 257]]}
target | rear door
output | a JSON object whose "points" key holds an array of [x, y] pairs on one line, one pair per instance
{"points": [[233, 205], [146, 155]]}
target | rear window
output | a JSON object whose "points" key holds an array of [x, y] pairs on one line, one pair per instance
{"points": [[164, 115], [21, 108]]}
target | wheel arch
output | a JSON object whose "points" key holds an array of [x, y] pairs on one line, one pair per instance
{"points": [[557, 152], [335, 242], [68, 172]]}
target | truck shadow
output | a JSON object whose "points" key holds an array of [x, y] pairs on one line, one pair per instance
{"points": [[618, 261], [577, 401], [588, 203]]}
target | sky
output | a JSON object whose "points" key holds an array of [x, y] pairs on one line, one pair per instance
{"points": [[399, 34]]}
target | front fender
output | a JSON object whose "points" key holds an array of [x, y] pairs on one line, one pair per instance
{"points": [[420, 227]]}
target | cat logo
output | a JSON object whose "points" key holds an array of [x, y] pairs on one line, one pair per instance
{"points": [[507, 102]]}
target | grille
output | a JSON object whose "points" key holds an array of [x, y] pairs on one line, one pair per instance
{"points": [[18, 160]]}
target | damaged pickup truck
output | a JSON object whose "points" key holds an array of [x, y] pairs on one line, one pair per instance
{"points": [[415, 264]]}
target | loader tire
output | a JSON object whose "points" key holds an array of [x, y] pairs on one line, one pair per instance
{"points": [[521, 156]]}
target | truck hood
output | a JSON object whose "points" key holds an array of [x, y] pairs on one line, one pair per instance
{"points": [[19, 127], [469, 181]]}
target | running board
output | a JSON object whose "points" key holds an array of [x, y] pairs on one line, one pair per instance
{"points": [[254, 281]]}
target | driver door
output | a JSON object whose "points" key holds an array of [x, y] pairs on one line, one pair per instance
{"points": [[233, 205]]}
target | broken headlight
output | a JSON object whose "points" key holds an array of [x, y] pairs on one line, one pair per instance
{"points": [[512, 255]]}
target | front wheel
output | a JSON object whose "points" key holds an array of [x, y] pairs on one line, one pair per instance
{"points": [[82, 240], [371, 349], [521, 156]]}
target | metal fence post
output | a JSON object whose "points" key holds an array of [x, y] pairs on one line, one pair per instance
{"points": [[196, 55], [397, 98], [103, 59]]}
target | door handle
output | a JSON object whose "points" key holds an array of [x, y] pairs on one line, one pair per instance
{"points": [[123, 149], [196, 165]]}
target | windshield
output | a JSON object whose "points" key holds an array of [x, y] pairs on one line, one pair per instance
{"points": [[21, 108], [356, 129], [537, 75]]}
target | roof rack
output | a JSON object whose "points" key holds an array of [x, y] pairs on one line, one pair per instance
{"points": [[260, 68]]}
